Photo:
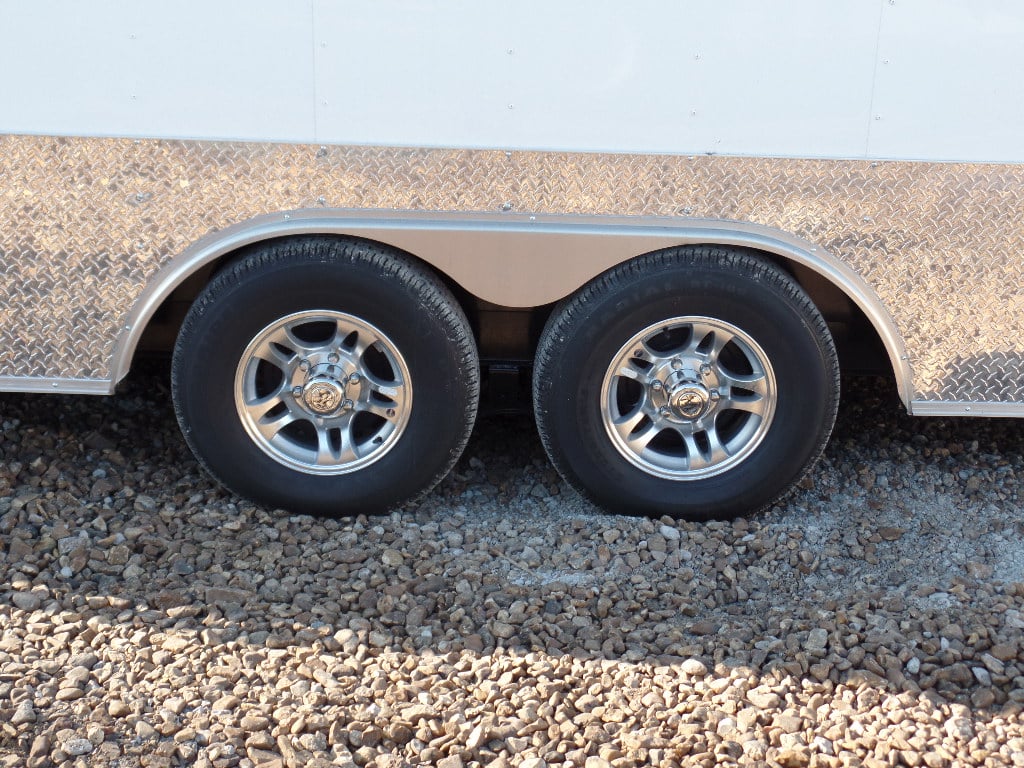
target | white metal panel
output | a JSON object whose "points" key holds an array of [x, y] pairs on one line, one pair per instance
{"points": [[801, 79], [949, 82], [738, 77], [233, 69]]}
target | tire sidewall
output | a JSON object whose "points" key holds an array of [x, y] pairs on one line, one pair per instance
{"points": [[757, 307]]}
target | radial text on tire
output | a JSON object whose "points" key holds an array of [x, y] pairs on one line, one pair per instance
{"points": [[326, 376], [698, 382]]}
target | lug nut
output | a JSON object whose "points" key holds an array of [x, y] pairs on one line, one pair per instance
{"points": [[715, 395], [355, 378], [663, 412], [297, 391], [657, 386], [332, 358], [304, 365], [677, 364], [347, 405], [705, 369]]}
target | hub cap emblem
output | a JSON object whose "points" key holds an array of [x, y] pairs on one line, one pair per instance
{"points": [[689, 401], [323, 396]]}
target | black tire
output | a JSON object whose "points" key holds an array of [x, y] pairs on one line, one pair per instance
{"points": [[595, 422], [385, 436]]}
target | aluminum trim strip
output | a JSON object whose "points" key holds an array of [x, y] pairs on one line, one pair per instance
{"points": [[56, 385], [960, 408]]}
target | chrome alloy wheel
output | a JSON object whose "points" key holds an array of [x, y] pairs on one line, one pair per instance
{"points": [[688, 398], [323, 392]]}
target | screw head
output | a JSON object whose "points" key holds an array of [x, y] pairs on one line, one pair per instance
{"points": [[638, 353], [391, 413]]}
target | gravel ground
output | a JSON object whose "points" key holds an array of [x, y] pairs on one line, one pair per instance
{"points": [[148, 618]]}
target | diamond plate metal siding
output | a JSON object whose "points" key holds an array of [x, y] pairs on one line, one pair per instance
{"points": [[85, 223]]}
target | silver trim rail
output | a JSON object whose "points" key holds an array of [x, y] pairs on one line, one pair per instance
{"points": [[41, 384], [963, 408]]}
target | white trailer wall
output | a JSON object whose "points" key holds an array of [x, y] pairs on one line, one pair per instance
{"points": [[907, 79]]}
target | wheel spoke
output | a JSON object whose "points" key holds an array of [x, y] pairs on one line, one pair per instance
{"points": [[694, 455], [755, 382], [625, 425], [260, 407], [719, 342], [755, 404], [654, 356], [270, 426], [630, 370], [347, 450], [325, 454], [639, 441], [298, 345], [718, 452], [273, 354], [698, 332], [378, 409], [393, 390], [364, 340]]}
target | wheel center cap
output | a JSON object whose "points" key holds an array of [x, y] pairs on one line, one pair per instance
{"points": [[688, 401], [323, 394]]}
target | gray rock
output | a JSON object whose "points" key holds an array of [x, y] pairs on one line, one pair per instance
{"points": [[78, 746], [26, 601], [24, 713]]}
